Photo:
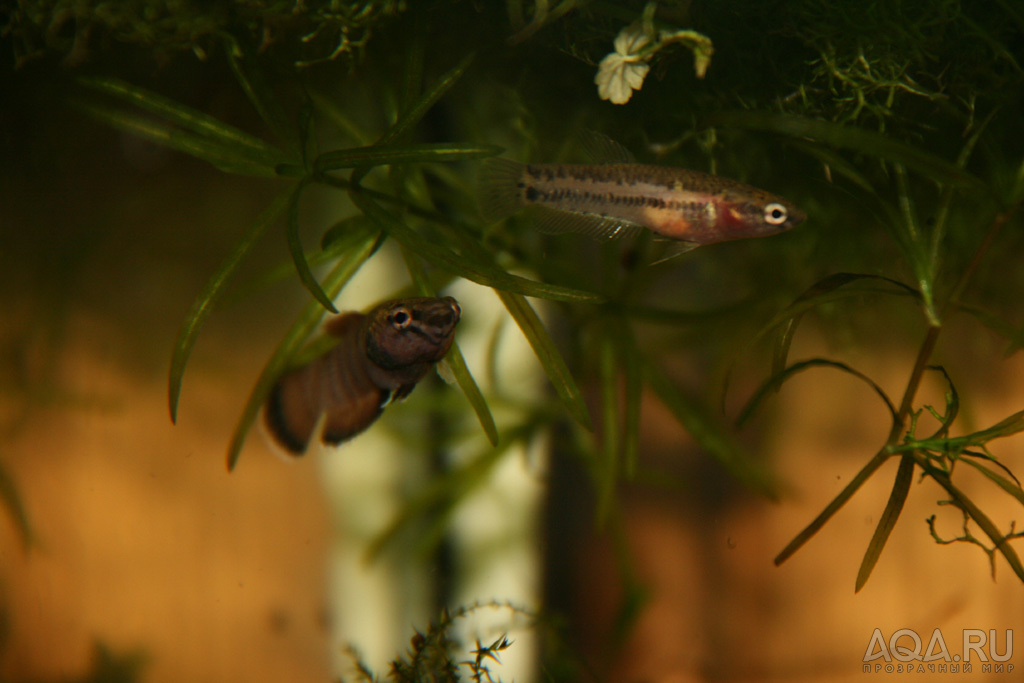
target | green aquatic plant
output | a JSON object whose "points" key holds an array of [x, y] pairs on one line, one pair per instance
{"points": [[436, 654], [899, 139], [894, 179]]}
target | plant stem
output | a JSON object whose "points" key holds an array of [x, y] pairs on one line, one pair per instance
{"points": [[920, 364], [913, 383]]}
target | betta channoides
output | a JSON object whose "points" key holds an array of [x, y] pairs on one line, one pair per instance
{"points": [[379, 357], [622, 198]]}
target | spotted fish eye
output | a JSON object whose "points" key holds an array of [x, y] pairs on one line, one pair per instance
{"points": [[401, 318], [775, 214]]}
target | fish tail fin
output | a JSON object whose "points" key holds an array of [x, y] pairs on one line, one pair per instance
{"points": [[286, 440], [499, 190]]}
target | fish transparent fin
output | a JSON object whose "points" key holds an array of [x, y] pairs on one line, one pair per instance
{"points": [[598, 148], [673, 249], [498, 191], [444, 371], [553, 221]]}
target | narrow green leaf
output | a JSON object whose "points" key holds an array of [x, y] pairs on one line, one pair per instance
{"points": [[188, 118], [15, 508], [341, 118], [985, 456], [779, 378], [337, 239], [548, 355], [228, 158], [1007, 427], [456, 361], [406, 154], [833, 507], [469, 269], [438, 499], [425, 102], [1001, 481], [205, 302], [1013, 334], [952, 403], [711, 436], [834, 162], [607, 470], [464, 378], [834, 287], [850, 137], [412, 78], [411, 116], [631, 427], [250, 76], [299, 255], [307, 133], [893, 508], [816, 294], [304, 324]]}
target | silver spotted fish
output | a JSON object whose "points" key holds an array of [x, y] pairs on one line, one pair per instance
{"points": [[379, 357], [618, 199]]}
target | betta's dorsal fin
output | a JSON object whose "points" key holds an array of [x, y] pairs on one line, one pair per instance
{"points": [[340, 325]]}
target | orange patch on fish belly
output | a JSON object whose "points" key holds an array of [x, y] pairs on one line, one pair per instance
{"points": [[669, 223]]}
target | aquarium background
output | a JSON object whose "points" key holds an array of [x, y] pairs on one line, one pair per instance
{"points": [[129, 552]]}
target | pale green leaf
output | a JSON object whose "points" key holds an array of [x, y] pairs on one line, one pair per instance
{"points": [[378, 155], [205, 302], [309, 280], [898, 496], [472, 270], [549, 356], [199, 123]]}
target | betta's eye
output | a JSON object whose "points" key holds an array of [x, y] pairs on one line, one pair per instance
{"points": [[401, 318], [775, 214]]}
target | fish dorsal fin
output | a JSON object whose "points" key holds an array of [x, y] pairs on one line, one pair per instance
{"points": [[552, 221], [342, 325], [598, 148]]}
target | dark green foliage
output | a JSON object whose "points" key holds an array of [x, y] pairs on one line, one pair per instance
{"points": [[310, 32]]}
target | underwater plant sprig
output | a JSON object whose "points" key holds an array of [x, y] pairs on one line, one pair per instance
{"points": [[913, 453], [624, 69]]}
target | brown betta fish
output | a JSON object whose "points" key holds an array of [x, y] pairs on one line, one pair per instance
{"points": [[379, 357], [622, 197]]}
